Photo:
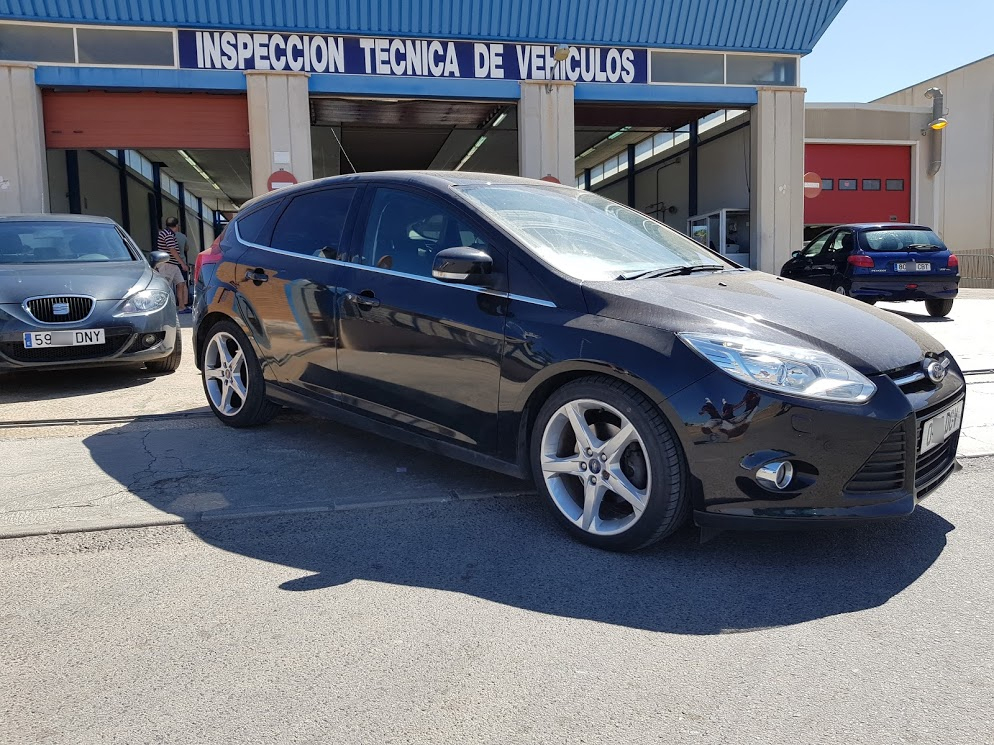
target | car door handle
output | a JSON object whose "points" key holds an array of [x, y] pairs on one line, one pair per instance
{"points": [[361, 298], [256, 275]]}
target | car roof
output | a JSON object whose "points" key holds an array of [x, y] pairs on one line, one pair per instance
{"points": [[57, 218], [884, 226], [436, 179]]}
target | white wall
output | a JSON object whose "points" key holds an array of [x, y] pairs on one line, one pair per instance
{"points": [[964, 186]]}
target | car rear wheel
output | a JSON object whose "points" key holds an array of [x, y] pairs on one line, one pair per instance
{"points": [[608, 465], [170, 363], [938, 308], [233, 379], [841, 290]]}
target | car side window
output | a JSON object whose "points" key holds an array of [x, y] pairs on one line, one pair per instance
{"points": [[815, 247], [313, 223], [405, 231], [251, 225], [842, 244]]}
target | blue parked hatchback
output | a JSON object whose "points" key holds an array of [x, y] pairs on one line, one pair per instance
{"points": [[880, 261]]}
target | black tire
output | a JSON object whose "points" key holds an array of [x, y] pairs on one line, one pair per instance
{"points": [[255, 409], [668, 502], [840, 289], [170, 363], [938, 308]]}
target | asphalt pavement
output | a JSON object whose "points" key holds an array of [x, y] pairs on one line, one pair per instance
{"points": [[480, 622]]}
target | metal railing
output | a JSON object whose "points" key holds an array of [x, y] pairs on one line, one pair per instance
{"points": [[976, 269]]}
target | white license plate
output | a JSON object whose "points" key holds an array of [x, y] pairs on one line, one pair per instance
{"points": [[913, 266], [938, 429], [82, 338]]}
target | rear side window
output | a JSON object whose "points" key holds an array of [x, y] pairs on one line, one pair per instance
{"points": [[313, 223], [250, 226], [901, 240]]}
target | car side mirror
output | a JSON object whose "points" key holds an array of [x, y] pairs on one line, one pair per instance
{"points": [[463, 264], [794, 254], [158, 258]]}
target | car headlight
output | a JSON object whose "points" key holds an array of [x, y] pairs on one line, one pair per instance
{"points": [[798, 371], [146, 301]]}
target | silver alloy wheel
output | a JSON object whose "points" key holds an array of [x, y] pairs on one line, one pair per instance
{"points": [[226, 374], [596, 467], [841, 290]]}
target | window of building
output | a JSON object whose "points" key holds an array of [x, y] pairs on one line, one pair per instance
{"points": [[312, 223], [405, 231], [895, 184], [827, 184], [26, 43], [871, 184], [847, 184], [684, 67], [104, 46], [755, 69]]}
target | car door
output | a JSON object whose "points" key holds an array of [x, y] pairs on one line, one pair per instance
{"points": [[833, 260], [800, 267], [413, 350], [287, 282]]}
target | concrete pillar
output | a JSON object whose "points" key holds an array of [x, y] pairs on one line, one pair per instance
{"points": [[546, 137], [23, 166], [777, 198], [279, 126]]}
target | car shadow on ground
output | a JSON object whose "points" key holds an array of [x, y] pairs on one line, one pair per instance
{"points": [[917, 317], [25, 386], [508, 550]]}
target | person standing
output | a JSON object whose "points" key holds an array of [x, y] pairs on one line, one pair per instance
{"points": [[175, 270]]}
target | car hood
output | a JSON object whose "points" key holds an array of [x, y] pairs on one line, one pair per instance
{"points": [[104, 281], [768, 308]]}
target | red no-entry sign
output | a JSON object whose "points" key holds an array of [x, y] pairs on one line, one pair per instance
{"points": [[281, 180], [812, 184]]}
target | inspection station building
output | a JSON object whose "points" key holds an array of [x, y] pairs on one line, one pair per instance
{"points": [[689, 110]]}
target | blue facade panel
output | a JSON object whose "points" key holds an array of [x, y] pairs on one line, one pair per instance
{"points": [[787, 26]]}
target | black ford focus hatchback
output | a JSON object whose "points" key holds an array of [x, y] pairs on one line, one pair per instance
{"points": [[549, 333]]}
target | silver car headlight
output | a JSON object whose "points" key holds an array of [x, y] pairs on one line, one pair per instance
{"points": [[798, 371], [144, 302]]}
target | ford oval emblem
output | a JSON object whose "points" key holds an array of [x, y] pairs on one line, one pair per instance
{"points": [[935, 370]]}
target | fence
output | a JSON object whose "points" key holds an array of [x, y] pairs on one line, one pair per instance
{"points": [[976, 268]]}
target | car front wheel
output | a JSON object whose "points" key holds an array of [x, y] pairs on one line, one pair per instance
{"points": [[233, 379], [608, 465], [938, 308]]}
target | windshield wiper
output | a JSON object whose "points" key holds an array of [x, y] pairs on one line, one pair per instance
{"points": [[923, 247], [671, 271]]}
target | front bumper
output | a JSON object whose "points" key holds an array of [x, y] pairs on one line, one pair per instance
{"points": [[909, 287], [124, 344], [852, 463]]}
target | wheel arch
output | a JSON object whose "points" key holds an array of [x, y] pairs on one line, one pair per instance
{"points": [[543, 385]]}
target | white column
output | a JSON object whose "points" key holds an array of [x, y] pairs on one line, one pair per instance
{"points": [[777, 199], [546, 130], [23, 166], [279, 126]]}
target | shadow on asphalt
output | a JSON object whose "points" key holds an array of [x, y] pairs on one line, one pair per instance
{"points": [[508, 550], [25, 386]]}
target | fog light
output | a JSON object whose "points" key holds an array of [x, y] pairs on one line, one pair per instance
{"points": [[776, 475], [149, 340]]}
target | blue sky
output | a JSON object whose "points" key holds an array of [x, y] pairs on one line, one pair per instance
{"points": [[876, 47]]}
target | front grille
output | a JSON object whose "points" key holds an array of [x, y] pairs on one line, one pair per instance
{"points": [[884, 470], [17, 352], [43, 308]]}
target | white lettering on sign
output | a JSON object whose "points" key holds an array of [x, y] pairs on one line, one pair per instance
{"points": [[397, 57]]}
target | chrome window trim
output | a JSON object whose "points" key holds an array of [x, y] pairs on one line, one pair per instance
{"points": [[430, 280], [26, 309]]}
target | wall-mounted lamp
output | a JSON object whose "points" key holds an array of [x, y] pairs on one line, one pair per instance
{"points": [[937, 124], [934, 128], [560, 55]]}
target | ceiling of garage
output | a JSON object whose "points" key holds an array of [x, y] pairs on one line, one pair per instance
{"points": [[229, 169]]}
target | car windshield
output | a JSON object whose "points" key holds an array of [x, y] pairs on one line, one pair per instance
{"points": [[901, 239], [589, 237], [50, 242]]}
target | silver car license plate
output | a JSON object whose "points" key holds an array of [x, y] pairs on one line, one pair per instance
{"points": [[938, 429], [37, 339], [913, 266]]}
